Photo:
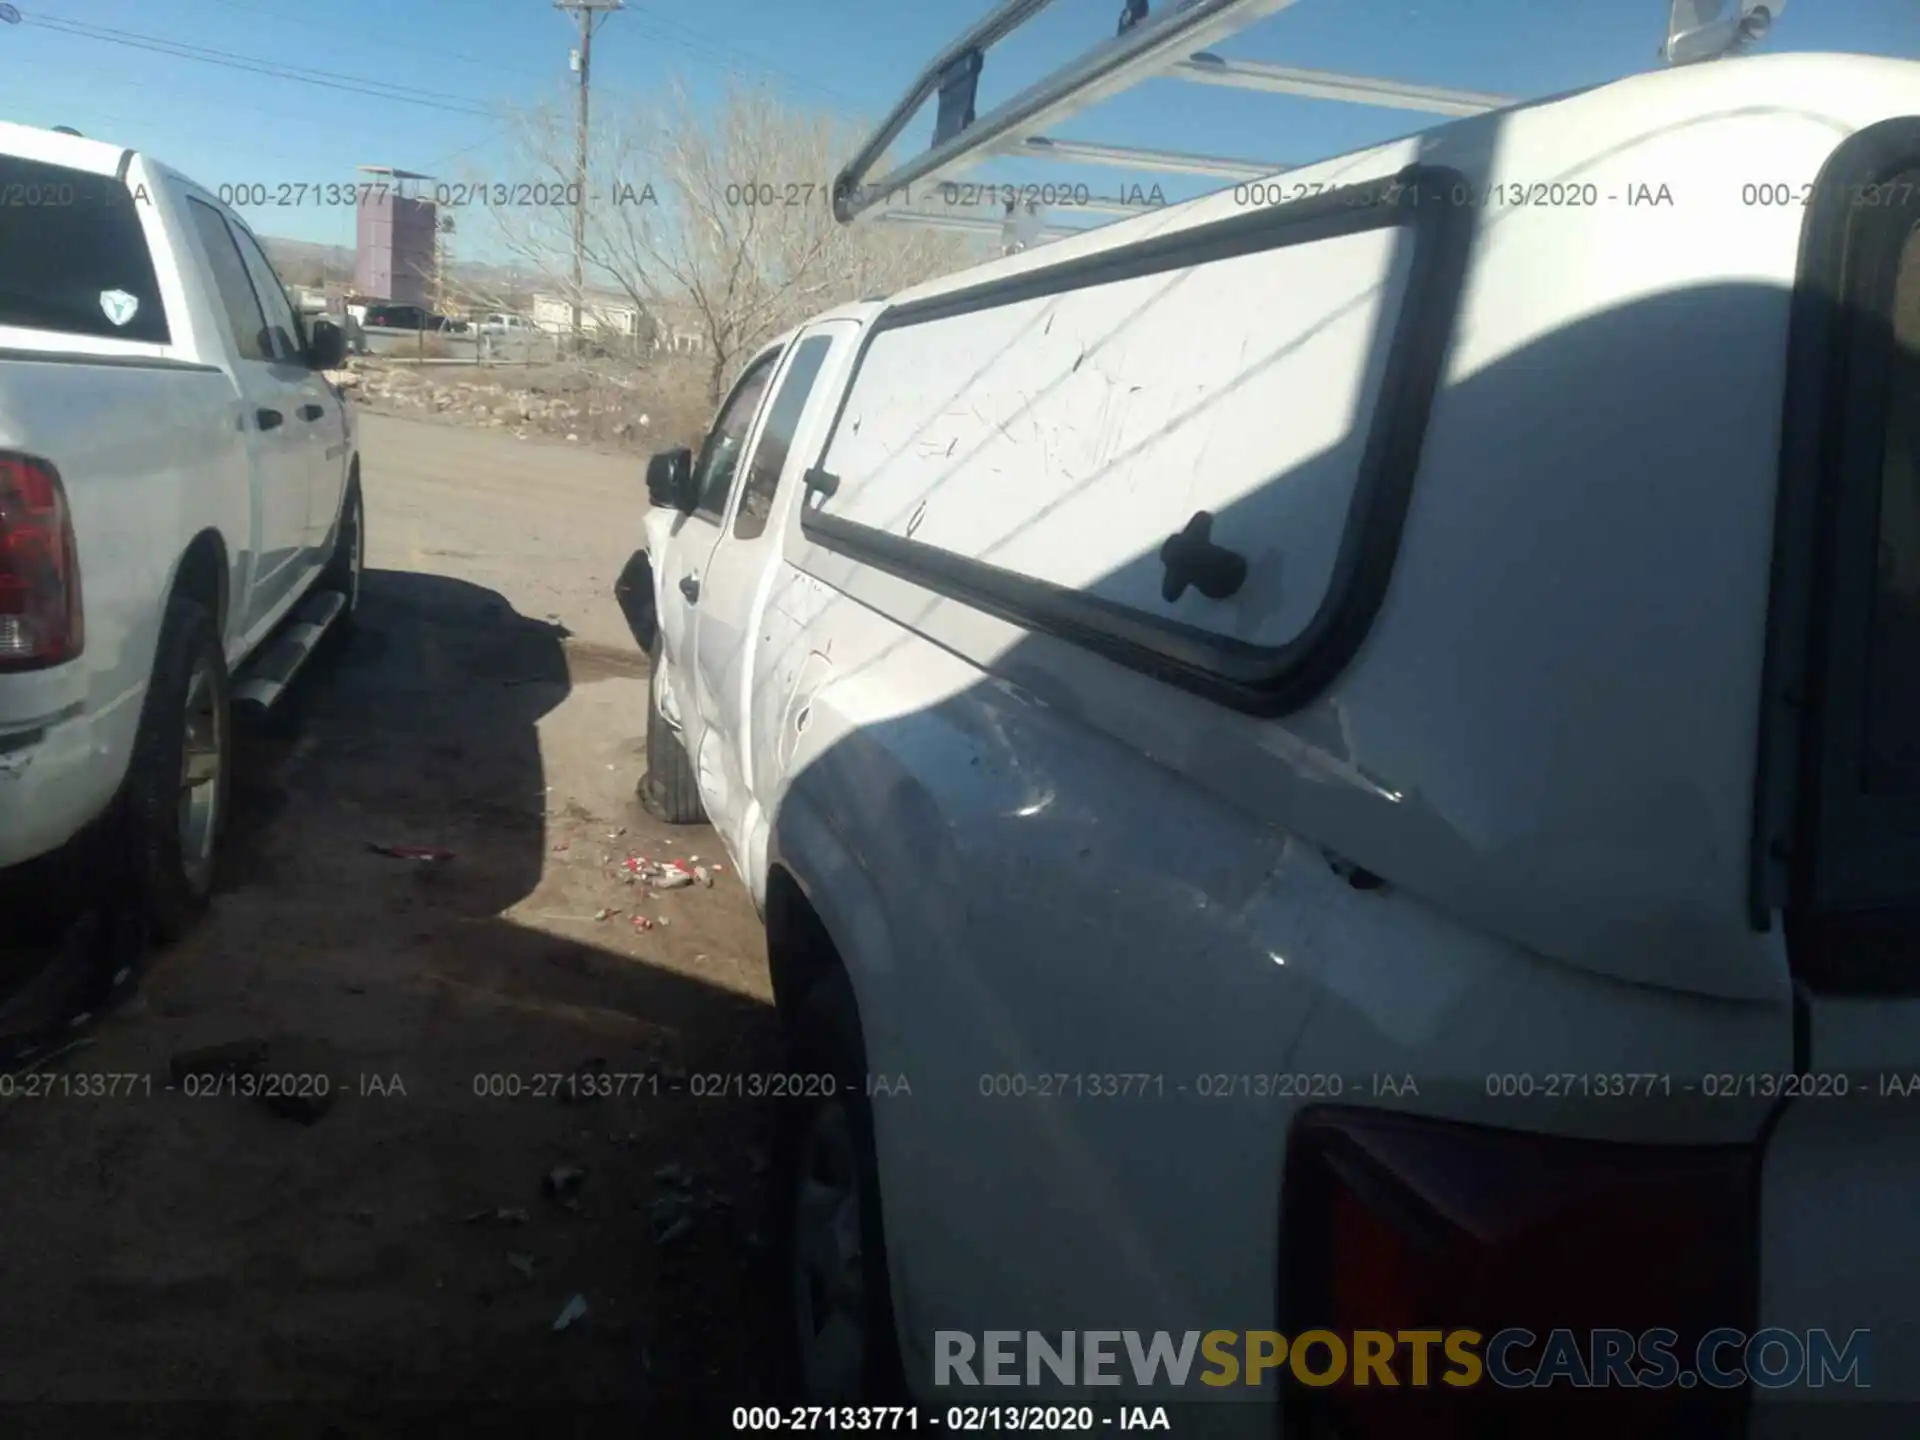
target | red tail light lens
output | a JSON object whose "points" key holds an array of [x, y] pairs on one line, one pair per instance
{"points": [[1395, 1223], [40, 612]]}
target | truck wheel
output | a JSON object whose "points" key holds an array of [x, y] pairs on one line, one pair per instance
{"points": [[177, 782], [349, 554], [831, 1245], [669, 790]]}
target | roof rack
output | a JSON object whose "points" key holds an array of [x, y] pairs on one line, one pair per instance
{"points": [[1167, 39]]}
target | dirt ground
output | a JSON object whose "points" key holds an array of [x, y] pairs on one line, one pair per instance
{"points": [[160, 1247]]}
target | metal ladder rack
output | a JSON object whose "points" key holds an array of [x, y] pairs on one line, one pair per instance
{"points": [[1168, 42]]}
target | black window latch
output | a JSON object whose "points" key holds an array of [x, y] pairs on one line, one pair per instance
{"points": [[1193, 559]]}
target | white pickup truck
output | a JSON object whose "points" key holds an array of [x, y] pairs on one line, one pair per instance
{"points": [[180, 520], [1351, 763]]}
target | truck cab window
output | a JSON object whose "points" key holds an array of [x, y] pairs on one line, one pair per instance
{"points": [[246, 321], [74, 256], [776, 438], [720, 455]]}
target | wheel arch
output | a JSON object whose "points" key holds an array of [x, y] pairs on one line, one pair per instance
{"points": [[204, 574]]}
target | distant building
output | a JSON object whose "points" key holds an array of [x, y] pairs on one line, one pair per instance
{"points": [[599, 315], [677, 329], [396, 239]]}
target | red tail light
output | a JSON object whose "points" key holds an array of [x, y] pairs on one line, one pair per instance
{"points": [[1395, 1223], [40, 612]]}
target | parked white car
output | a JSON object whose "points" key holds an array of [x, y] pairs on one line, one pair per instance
{"points": [[502, 324], [179, 486], [1360, 754]]}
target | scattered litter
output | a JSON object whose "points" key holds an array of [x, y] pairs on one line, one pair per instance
{"points": [[674, 1231], [424, 853], [564, 1181], [719, 869], [522, 1263], [694, 858], [641, 922], [616, 834], [560, 847], [574, 1312], [605, 913], [663, 921], [700, 959], [700, 874], [671, 879], [514, 1216]]}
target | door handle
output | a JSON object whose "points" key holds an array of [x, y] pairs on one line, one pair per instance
{"points": [[690, 587], [311, 412], [269, 419]]}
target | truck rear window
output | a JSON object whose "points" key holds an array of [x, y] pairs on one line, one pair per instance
{"points": [[73, 255]]}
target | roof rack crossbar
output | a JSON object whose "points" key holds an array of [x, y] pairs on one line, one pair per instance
{"points": [[1145, 48], [1130, 157], [1210, 69], [972, 224]]}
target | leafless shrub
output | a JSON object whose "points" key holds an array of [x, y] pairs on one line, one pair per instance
{"points": [[717, 221]]}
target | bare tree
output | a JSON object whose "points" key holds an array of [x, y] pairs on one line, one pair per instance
{"points": [[717, 222]]}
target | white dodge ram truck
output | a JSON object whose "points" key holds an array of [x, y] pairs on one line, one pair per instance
{"points": [[180, 520], [1349, 765]]}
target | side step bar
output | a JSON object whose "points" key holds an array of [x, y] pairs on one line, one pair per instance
{"points": [[264, 679]]}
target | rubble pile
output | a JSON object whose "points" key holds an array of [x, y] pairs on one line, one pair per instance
{"points": [[575, 406]]}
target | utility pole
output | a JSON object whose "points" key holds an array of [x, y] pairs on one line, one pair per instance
{"points": [[587, 12]]}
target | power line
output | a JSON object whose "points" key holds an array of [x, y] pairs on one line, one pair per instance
{"points": [[325, 79], [693, 41], [332, 28]]}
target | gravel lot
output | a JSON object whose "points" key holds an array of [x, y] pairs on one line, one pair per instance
{"points": [[159, 1246]]}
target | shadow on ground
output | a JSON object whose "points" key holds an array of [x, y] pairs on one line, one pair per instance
{"points": [[161, 1248]]}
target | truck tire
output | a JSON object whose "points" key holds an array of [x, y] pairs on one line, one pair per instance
{"points": [[830, 1242], [180, 774], [669, 790], [349, 555]]}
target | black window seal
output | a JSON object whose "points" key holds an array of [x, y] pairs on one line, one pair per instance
{"points": [[1258, 680], [769, 356], [809, 336], [1800, 815]]}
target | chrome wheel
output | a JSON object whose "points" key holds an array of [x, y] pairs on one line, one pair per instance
{"points": [[203, 758], [829, 1275]]}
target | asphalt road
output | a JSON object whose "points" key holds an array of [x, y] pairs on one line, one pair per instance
{"points": [[161, 1246]]}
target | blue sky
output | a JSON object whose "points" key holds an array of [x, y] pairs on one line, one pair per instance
{"points": [[460, 61]]}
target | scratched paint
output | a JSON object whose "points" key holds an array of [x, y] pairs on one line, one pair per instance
{"points": [[1068, 436]]}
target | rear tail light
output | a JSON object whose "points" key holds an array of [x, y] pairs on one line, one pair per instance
{"points": [[1395, 1223], [40, 612]]}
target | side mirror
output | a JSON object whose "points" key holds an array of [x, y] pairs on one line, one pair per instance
{"points": [[670, 480], [326, 346]]}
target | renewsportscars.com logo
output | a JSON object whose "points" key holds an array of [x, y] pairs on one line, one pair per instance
{"points": [[1510, 1359]]}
